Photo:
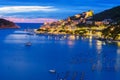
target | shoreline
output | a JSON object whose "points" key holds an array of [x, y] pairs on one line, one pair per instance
{"points": [[107, 40], [95, 37]]}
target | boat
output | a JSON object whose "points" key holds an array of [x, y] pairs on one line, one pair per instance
{"points": [[52, 71], [28, 44]]}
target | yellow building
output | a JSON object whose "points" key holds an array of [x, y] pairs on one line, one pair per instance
{"points": [[77, 16]]}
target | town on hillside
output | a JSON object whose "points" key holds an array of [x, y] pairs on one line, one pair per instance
{"points": [[82, 24]]}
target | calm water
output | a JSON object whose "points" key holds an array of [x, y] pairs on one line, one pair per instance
{"points": [[78, 59]]}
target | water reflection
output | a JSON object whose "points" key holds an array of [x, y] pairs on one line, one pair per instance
{"points": [[117, 65], [70, 43], [118, 44], [99, 55], [71, 37], [99, 46], [90, 41]]}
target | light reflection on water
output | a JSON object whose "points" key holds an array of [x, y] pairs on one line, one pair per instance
{"points": [[117, 65], [99, 46], [90, 41], [118, 44], [71, 57]]}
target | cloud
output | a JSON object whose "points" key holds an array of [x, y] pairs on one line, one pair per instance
{"points": [[19, 9]]}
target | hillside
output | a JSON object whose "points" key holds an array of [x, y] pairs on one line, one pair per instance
{"points": [[76, 24], [113, 13], [87, 24], [7, 24], [112, 32]]}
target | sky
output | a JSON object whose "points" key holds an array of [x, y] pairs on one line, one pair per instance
{"points": [[55, 9]]}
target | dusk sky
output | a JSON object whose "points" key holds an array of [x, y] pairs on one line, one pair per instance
{"points": [[57, 9]]}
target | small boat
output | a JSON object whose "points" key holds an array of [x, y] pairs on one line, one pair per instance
{"points": [[52, 71], [28, 44]]}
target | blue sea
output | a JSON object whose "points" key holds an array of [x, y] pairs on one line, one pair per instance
{"points": [[76, 58]]}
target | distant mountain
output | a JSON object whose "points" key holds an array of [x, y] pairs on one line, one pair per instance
{"points": [[7, 24], [113, 13]]}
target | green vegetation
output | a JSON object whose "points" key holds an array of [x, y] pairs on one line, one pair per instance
{"points": [[113, 14]]}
